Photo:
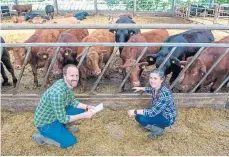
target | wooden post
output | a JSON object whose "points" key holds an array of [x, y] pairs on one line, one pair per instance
{"points": [[56, 6], [95, 7], [135, 7]]}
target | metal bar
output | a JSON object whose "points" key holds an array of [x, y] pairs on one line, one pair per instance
{"points": [[56, 6], [212, 67], [128, 74], [104, 69], [22, 70], [1, 51], [49, 69], [167, 57], [95, 7], [115, 44], [82, 58], [221, 85], [186, 67], [114, 26]]}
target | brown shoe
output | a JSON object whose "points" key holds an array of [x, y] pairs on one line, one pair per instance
{"points": [[71, 129]]}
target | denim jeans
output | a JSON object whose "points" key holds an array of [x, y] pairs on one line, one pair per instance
{"points": [[57, 132], [159, 120]]}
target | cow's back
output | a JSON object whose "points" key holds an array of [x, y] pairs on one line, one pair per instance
{"points": [[78, 33], [155, 36]]}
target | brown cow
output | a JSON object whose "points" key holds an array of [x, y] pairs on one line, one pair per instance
{"points": [[203, 63], [96, 55], [68, 20], [22, 8], [40, 36], [130, 54], [66, 55]]}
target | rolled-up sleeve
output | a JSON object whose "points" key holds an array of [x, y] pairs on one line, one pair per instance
{"points": [[59, 108], [156, 109]]}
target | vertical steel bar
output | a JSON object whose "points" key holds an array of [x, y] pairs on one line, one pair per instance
{"points": [[82, 58], [212, 67], [128, 74], [104, 69], [221, 85], [49, 69], [22, 70], [186, 67], [56, 6], [135, 7], [95, 7]]}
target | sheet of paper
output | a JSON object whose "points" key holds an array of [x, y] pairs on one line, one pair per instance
{"points": [[97, 108]]}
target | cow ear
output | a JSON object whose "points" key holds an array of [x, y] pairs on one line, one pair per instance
{"points": [[30, 21], [44, 21], [151, 59], [43, 56], [175, 61]]}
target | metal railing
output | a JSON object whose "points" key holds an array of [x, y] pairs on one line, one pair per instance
{"points": [[174, 45]]}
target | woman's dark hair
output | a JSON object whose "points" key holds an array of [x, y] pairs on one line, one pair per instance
{"points": [[160, 73]]}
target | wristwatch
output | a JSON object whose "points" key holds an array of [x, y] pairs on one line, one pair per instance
{"points": [[135, 112]]}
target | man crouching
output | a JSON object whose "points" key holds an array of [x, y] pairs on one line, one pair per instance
{"points": [[58, 107]]}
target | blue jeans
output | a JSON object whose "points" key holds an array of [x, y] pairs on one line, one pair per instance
{"points": [[57, 132], [159, 120]]}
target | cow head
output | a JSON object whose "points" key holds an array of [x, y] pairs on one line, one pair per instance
{"points": [[19, 57], [135, 74], [193, 75], [64, 57], [93, 61], [42, 59]]}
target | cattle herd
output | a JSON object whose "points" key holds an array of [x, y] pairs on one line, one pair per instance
{"points": [[98, 56]]}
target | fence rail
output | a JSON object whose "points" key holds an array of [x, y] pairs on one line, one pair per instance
{"points": [[113, 26]]}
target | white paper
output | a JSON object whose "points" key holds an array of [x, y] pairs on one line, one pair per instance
{"points": [[97, 108]]}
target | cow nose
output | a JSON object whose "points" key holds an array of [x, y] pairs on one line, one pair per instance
{"points": [[17, 67], [184, 86], [136, 84], [97, 72]]}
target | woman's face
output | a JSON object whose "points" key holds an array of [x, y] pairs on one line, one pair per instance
{"points": [[155, 80]]}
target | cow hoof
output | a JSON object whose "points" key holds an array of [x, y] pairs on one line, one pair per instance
{"points": [[5, 83]]}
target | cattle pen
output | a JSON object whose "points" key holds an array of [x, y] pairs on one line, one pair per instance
{"points": [[192, 106]]}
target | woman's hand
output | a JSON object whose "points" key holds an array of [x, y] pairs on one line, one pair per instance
{"points": [[138, 89], [131, 113]]}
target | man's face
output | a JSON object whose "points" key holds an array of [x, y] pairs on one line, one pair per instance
{"points": [[72, 77]]}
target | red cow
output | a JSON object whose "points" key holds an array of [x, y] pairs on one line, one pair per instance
{"points": [[129, 55], [22, 8], [18, 19], [203, 63], [66, 55], [40, 36], [96, 55]]}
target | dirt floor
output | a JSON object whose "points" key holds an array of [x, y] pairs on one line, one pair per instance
{"points": [[106, 85], [197, 132]]}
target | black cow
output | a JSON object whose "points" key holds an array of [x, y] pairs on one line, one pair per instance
{"points": [[123, 35], [31, 15], [197, 9], [49, 10], [5, 59], [181, 53], [81, 15]]}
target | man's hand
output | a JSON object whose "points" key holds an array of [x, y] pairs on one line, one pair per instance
{"points": [[88, 114], [131, 113], [90, 107]]}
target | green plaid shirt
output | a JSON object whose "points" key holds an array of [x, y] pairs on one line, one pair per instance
{"points": [[52, 105]]}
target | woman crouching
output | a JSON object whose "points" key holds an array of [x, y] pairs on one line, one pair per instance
{"points": [[163, 112]]}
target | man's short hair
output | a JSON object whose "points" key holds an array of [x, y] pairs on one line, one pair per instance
{"points": [[66, 68]]}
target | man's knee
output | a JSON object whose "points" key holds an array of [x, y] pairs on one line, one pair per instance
{"points": [[69, 142]]}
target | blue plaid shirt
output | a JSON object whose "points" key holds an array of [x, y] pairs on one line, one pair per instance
{"points": [[163, 103]]}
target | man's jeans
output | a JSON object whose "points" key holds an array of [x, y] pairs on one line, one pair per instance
{"points": [[57, 132]]}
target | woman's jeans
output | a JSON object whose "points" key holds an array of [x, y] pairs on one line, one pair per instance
{"points": [[57, 132], [159, 121]]}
